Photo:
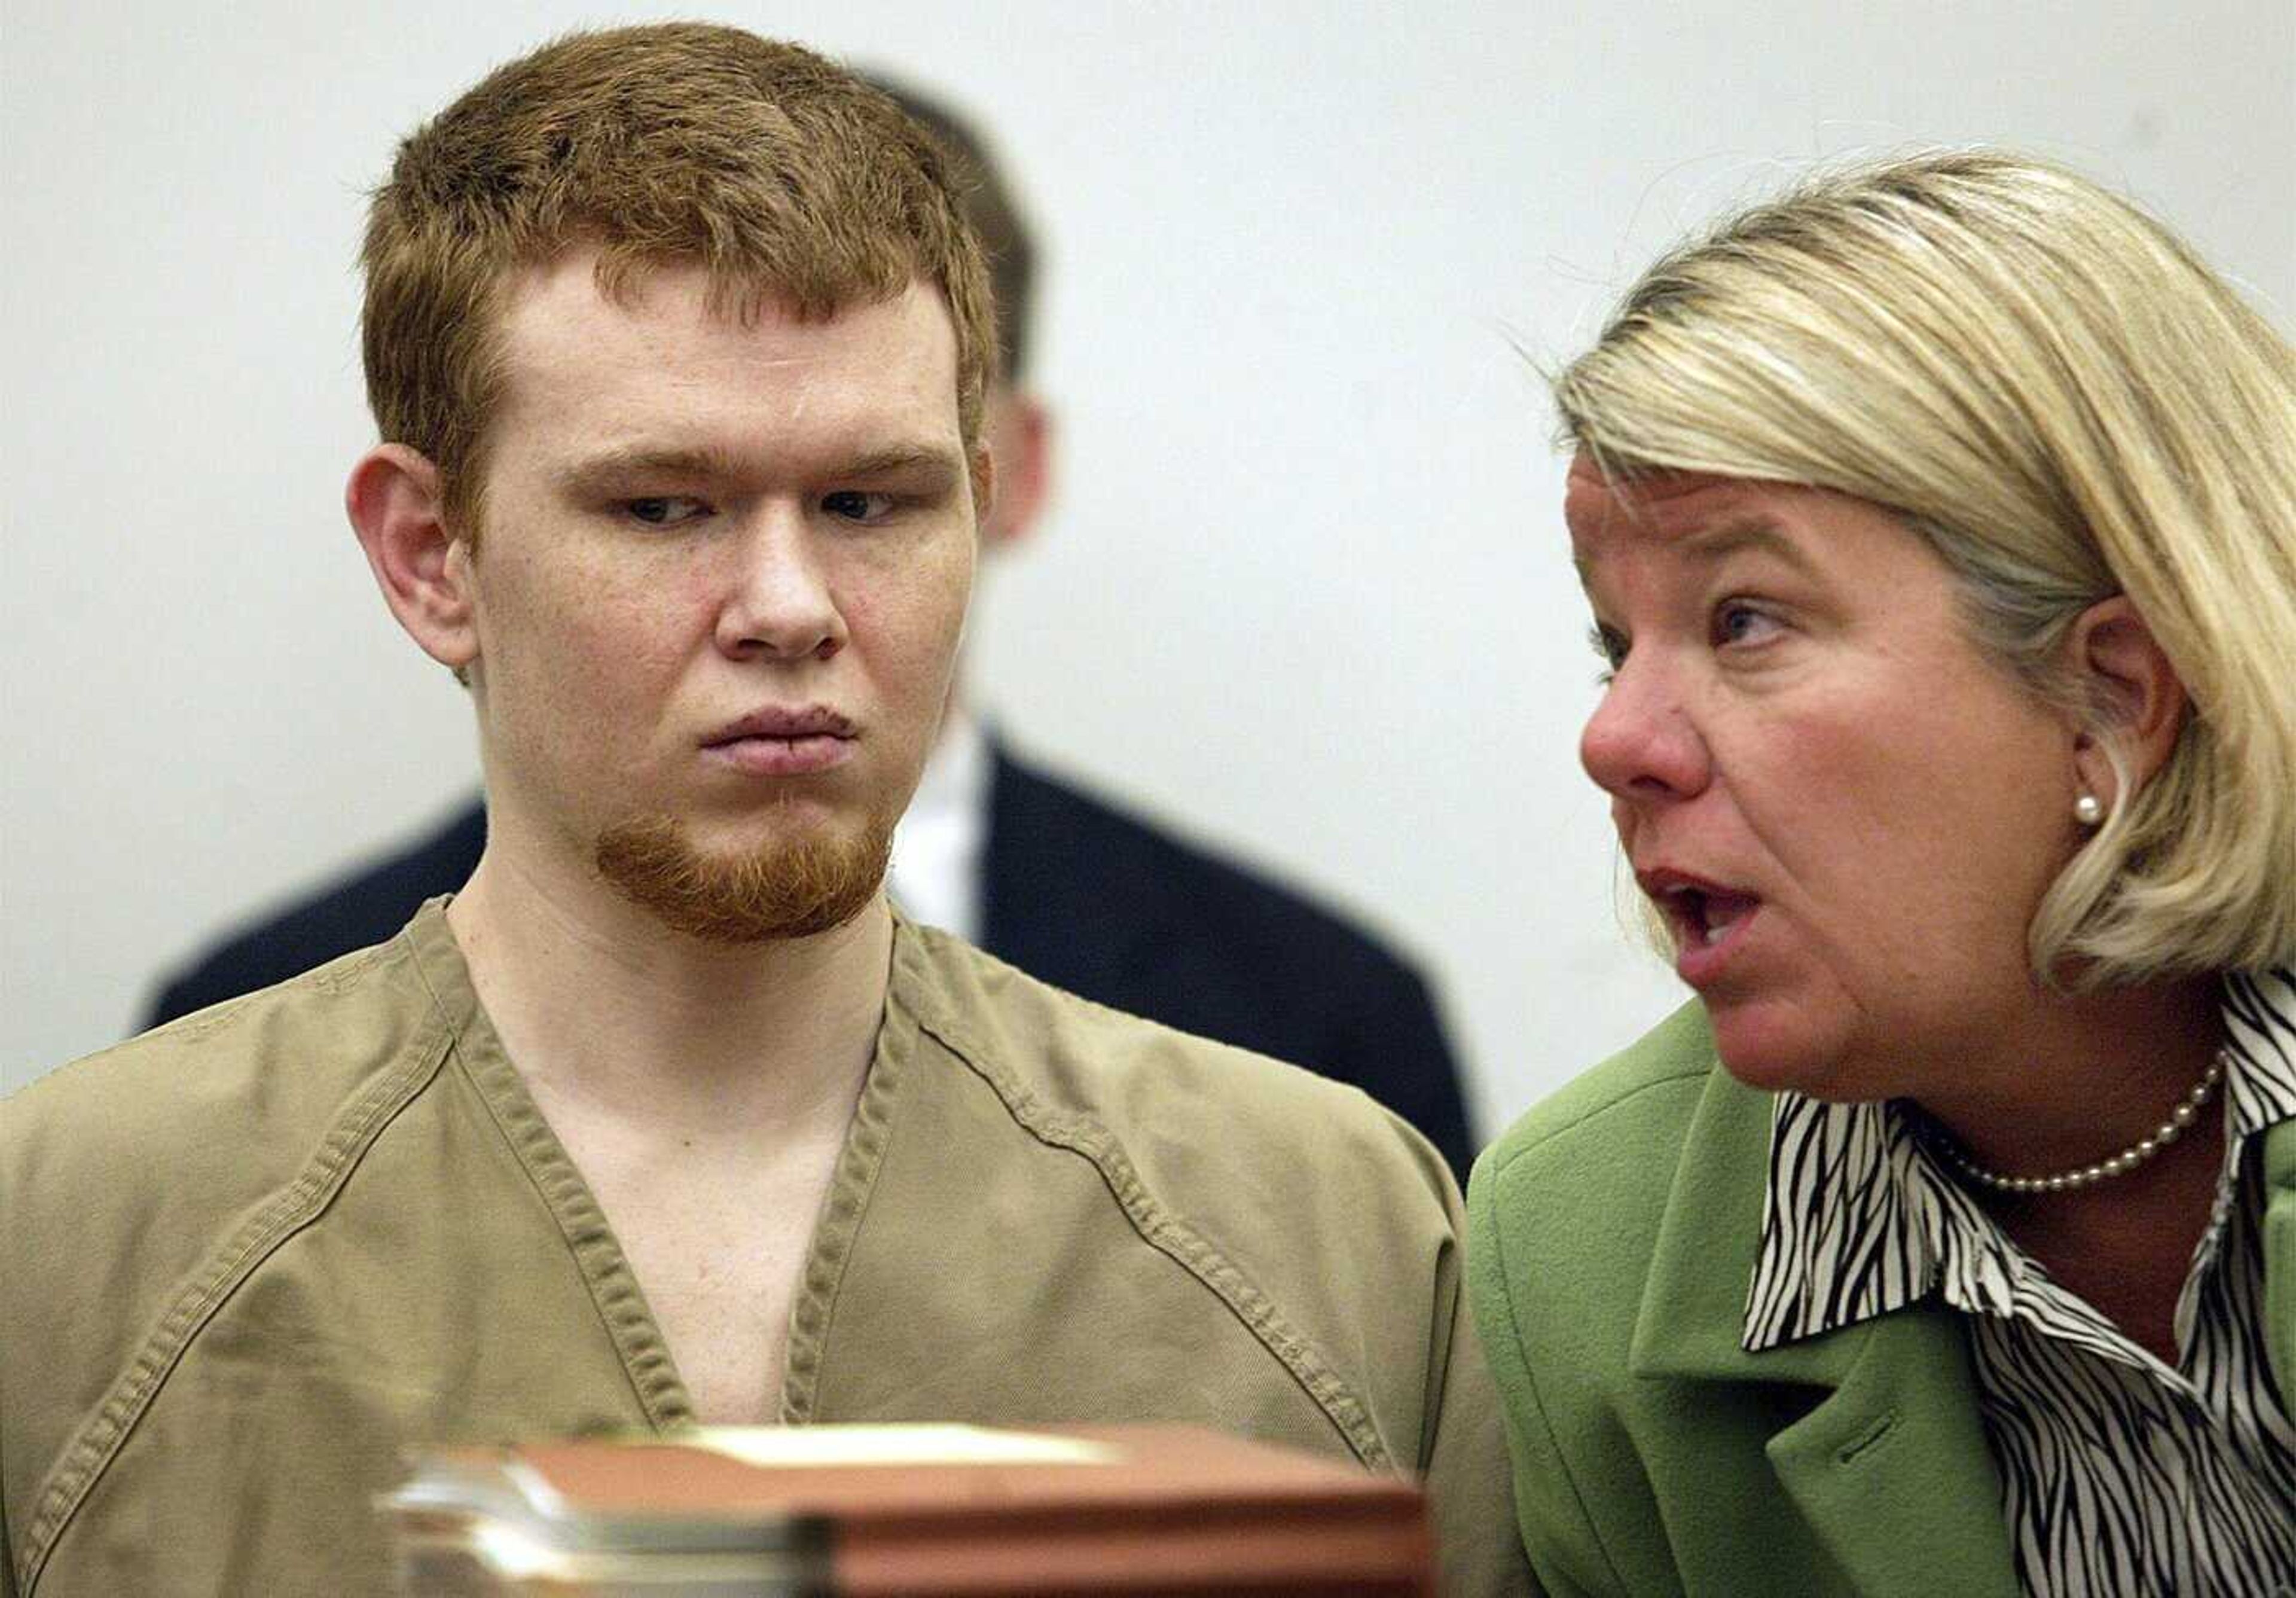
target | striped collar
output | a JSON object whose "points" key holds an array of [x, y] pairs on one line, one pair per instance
{"points": [[1860, 1219]]}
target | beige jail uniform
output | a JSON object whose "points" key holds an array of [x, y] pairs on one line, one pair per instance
{"points": [[247, 1258]]}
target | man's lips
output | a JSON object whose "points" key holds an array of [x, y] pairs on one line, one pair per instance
{"points": [[785, 722], [1708, 919], [781, 741]]}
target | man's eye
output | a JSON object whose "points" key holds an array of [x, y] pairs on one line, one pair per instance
{"points": [[855, 505], [664, 510]]}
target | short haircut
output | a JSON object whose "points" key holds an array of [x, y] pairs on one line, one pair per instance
{"points": [[2055, 391], [996, 215], [793, 182]]}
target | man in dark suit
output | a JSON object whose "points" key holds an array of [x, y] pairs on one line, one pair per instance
{"points": [[1062, 884]]}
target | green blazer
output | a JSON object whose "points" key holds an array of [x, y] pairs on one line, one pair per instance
{"points": [[1611, 1238]]}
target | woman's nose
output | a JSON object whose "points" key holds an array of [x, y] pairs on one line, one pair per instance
{"points": [[1643, 745]]}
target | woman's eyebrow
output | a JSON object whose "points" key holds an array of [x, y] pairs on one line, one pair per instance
{"points": [[1724, 539], [1759, 534]]}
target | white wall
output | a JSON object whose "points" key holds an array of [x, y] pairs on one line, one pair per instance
{"points": [[1304, 588]]}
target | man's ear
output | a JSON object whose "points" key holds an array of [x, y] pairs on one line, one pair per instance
{"points": [[986, 468], [396, 506], [2132, 682], [1020, 430]]}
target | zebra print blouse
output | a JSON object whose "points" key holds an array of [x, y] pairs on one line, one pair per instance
{"points": [[2120, 1474]]}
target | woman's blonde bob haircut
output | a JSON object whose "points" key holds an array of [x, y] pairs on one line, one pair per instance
{"points": [[2060, 397]]}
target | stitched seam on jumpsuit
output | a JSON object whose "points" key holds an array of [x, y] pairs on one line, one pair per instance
{"points": [[582, 1226], [583, 1229], [852, 1189], [98, 1442], [1295, 1351]]}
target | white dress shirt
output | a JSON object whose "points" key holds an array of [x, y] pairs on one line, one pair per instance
{"points": [[937, 848], [2120, 1473]]}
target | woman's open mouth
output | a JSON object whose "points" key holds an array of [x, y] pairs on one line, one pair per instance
{"points": [[1706, 920]]}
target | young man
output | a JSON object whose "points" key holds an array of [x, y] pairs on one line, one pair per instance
{"points": [[1088, 895], [677, 342]]}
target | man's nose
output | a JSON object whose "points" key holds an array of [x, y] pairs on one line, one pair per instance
{"points": [[780, 601], [1643, 745]]}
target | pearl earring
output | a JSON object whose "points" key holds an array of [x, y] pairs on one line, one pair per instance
{"points": [[2089, 810]]}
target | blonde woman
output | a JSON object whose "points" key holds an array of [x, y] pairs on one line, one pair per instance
{"points": [[1939, 525]]}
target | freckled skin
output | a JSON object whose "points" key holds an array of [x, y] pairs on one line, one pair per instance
{"points": [[609, 649], [688, 520], [1800, 716]]}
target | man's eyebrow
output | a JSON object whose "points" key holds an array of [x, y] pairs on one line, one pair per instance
{"points": [[615, 465], [901, 457], [640, 460]]}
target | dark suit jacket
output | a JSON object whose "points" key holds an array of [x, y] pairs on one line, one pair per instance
{"points": [[1075, 892]]}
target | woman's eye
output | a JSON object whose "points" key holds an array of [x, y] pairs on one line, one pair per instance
{"points": [[1612, 647], [1738, 622], [664, 510], [855, 505]]}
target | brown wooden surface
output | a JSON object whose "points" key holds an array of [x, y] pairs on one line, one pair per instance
{"points": [[1186, 1511], [1162, 1465]]}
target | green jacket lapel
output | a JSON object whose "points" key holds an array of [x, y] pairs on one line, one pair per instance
{"points": [[1890, 1470], [1893, 1473]]}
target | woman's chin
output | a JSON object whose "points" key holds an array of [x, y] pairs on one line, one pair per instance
{"points": [[1768, 1047]]}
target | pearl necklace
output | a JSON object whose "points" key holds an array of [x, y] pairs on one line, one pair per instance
{"points": [[2179, 1122]]}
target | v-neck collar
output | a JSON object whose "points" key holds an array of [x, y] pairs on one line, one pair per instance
{"points": [[596, 1253]]}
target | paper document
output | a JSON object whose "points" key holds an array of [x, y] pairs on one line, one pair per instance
{"points": [[929, 1444]]}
